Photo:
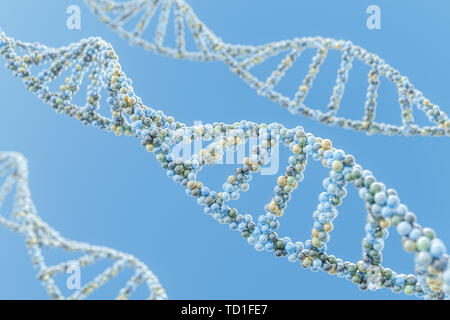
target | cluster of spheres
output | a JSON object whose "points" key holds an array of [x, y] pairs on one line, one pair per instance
{"points": [[39, 235], [242, 58], [160, 134]]}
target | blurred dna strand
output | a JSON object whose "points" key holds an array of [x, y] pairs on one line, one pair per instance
{"points": [[241, 59], [39, 235]]}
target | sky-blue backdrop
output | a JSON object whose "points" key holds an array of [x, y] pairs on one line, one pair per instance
{"points": [[95, 187]]}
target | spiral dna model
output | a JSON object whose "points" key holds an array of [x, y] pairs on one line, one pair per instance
{"points": [[95, 61], [242, 58], [38, 234]]}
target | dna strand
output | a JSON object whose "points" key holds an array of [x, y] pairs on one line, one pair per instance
{"points": [[242, 58], [161, 135], [38, 235]]}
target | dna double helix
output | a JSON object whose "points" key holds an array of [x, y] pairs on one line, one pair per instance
{"points": [[160, 134], [119, 15], [39, 235]]}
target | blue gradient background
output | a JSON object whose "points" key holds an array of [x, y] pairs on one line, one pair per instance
{"points": [[95, 187]]}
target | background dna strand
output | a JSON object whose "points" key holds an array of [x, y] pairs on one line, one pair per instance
{"points": [[38, 235], [242, 58], [161, 134]]}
